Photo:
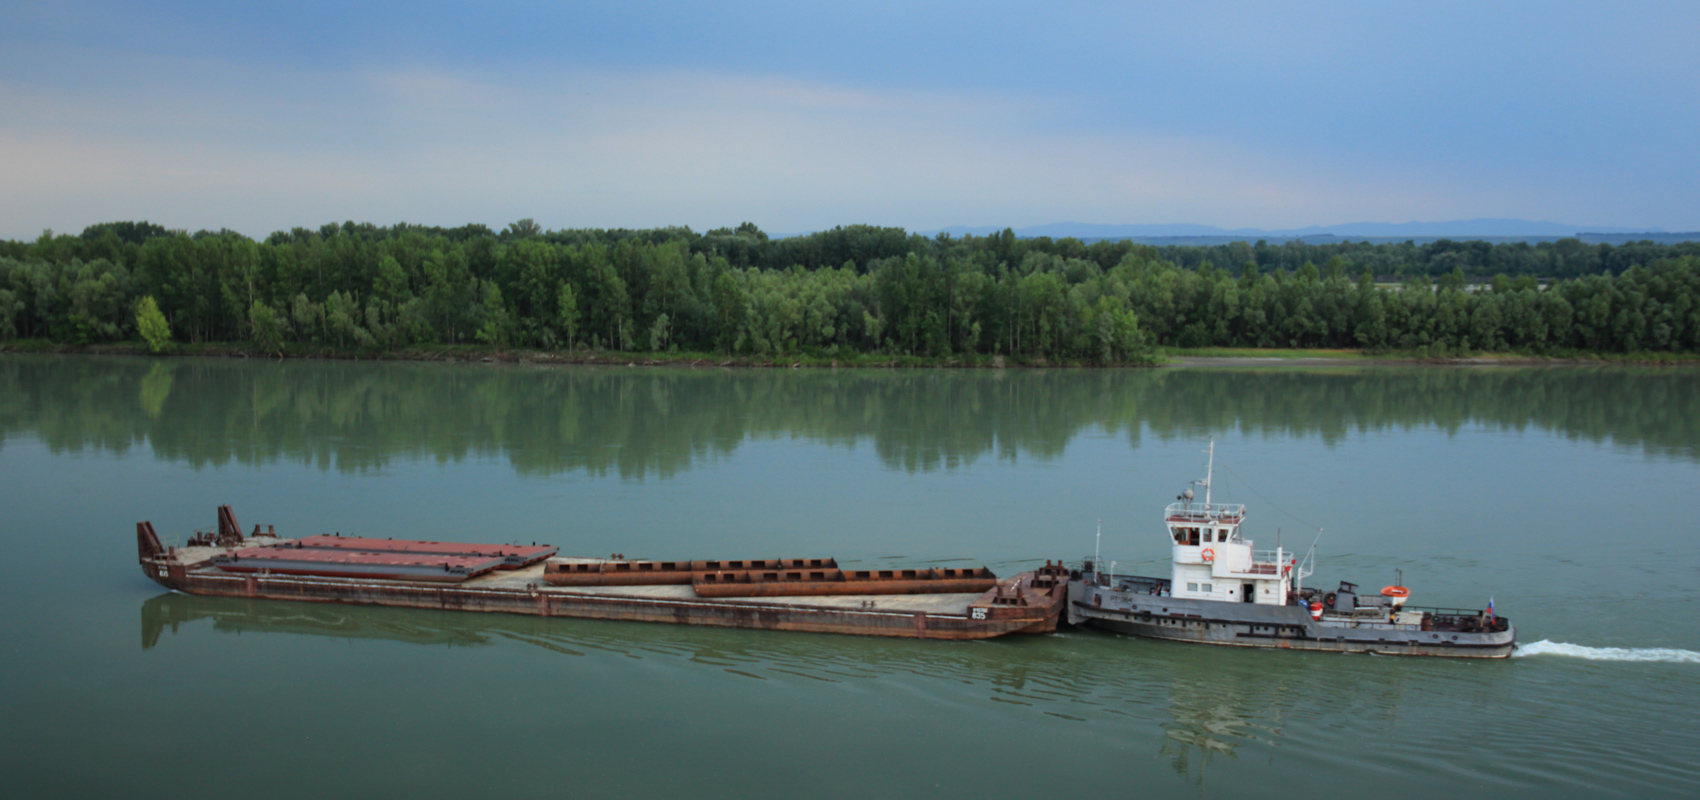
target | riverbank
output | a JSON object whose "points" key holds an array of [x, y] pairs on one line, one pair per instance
{"points": [[1247, 356], [1173, 357], [483, 353]]}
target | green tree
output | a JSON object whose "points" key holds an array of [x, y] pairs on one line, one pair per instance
{"points": [[495, 330], [658, 334], [567, 302], [449, 291], [155, 330], [342, 319], [523, 229], [731, 305], [10, 305], [309, 317], [97, 293], [391, 283], [269, 327]]}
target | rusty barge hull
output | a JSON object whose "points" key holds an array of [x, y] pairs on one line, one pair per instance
{"points": [[1030, 602], [630, 608]]}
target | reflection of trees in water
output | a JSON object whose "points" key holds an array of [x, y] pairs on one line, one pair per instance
{"points": [[822, 656], [639, 422]]}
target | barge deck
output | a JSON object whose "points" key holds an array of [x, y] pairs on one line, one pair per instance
{"points": [[1030, 602]]}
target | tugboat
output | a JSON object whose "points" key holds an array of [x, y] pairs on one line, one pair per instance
{"points": [[1224, 591]]}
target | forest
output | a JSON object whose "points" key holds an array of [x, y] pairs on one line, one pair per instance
{"points": [[850, 291]]}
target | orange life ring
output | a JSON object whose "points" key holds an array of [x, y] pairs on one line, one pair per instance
{"points": [[1395, 591], [1209, 554]]}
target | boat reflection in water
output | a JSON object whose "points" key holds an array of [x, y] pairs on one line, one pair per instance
{"points": [[229, 615], [1185, 704]]}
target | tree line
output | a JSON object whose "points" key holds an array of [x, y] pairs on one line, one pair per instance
{"points": [[848, 291]]}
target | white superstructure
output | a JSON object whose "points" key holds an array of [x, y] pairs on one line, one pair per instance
{"points": [[1212, 561]]}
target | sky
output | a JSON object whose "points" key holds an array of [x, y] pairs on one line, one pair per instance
{"points": [[802, 116]]}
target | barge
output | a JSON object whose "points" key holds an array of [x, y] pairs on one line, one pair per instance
{"points": [[770, 594], [1223, 591]]}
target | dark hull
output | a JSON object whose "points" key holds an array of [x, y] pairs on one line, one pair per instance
{"points": [[1240, 635], [1267, 626]]}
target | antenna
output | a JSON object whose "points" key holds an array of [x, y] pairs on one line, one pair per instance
{"points": [[1209, 472], [1098, 548]]}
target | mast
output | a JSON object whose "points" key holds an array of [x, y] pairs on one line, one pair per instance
{"points": [[1098, 548], [1209, 472]]}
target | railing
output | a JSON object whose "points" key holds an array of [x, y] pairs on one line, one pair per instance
{"points": [[1454, 620], [1205, 512], [1268, 562], [1137, 584], [1463, 620], [1446, 612]]}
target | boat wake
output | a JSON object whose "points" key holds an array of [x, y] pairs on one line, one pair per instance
{"points": [[1547, 647]]}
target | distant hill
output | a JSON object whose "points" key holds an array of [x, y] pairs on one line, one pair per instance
{"points": [[1466, 228]]}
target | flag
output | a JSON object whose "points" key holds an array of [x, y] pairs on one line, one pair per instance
{"points": [[1490, 608]]}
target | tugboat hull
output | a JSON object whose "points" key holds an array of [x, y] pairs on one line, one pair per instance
{"points": [[1286, 627]]}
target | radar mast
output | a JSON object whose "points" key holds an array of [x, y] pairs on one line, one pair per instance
{"points": [[1209, 472]]}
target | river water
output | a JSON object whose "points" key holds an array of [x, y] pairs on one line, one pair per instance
{"points": [[1566, 495]]}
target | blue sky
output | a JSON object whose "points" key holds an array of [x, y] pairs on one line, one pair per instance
{"points": [[802, 116]]}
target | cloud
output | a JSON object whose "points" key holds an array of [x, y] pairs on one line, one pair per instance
{"points": [[208, 144]]}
